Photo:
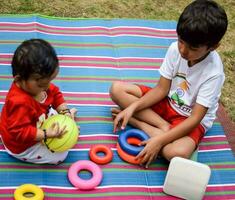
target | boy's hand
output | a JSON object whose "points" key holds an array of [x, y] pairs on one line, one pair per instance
{"points": [[122, 119], [71, 113], [55, 131], [150, 152]]}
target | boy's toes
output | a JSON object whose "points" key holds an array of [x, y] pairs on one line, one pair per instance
{"points": [[114, 115], [115, 110]]}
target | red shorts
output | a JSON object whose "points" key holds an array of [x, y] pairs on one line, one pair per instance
{"points": [[164, 109]]}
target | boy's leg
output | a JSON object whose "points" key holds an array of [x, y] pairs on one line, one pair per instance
{"points": [[149, 129], [39, 154], [123, 94], [183, 147]]}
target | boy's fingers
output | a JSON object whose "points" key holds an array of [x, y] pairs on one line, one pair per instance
{"points": [[115, 124], [140, 155], [145, 159], [63, 129], [124, 123], [58, 126], [143, 143], [53, 125], [149, 161], [73, 112], [114, 114]]}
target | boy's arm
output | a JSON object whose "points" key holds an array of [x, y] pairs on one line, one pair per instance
{"points": [[63, 109], [59, 103], [159, 92], [186, 126], [53, 131], [154, 144], [152, 97]]}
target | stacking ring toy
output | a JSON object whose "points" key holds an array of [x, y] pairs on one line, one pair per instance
{"points": [[20, 192], [133, 141], [127, 157], [80, 183], [128, 148], [101, 159]]}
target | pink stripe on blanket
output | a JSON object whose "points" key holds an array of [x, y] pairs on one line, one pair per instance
{"points": [[214, 147]]}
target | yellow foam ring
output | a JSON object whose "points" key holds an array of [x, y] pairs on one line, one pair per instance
{"points": [[28, 188]]}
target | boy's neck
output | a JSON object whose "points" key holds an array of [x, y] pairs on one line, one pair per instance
{"points": [[194, 62]]}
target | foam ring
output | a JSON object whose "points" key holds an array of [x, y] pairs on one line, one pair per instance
{"points": [[87, 165], [128, 148], [133, 141], [28, 188], [101, 159], [127, 157]]}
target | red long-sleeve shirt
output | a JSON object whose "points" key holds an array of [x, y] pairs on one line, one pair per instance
{"points": [[21, 115]]}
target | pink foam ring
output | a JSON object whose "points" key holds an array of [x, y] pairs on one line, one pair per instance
{"points": [[83, 184]]}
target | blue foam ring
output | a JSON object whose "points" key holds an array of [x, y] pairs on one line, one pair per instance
{"points": [[128, 148]]}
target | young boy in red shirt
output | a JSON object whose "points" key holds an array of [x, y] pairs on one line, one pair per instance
{"points": [[28, 103]]}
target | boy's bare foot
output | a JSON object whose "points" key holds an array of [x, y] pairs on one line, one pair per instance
{"points": [[115, 111]]}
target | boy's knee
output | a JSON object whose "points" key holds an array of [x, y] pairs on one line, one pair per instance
{"points": [[170, 151], [115, 89]]}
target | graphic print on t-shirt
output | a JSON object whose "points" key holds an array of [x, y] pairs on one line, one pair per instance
{"points": [[178, 96]]}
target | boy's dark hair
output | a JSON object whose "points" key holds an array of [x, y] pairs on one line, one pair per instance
{"points": [[34, 56], [203, 22]]}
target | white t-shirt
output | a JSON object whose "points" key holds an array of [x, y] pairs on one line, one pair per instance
{"points": [[200, 83]]}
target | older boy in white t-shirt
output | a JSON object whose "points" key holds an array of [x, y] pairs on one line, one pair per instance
{"points": [[178, 111]]}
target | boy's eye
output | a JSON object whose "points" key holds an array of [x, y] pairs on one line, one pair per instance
{"points": [[193, 48], [42, 85]]}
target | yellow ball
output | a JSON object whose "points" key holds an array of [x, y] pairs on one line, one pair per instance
{"points": [[68, 140]]}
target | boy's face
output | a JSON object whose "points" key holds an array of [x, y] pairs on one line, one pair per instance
{"points": [[36, 84], [192, 54]]}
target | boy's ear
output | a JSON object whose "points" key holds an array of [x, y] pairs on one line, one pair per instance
{"points": [[16, 78], [214, 47]]}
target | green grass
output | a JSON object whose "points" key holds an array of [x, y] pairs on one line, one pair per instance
{"points": [[143, 9]]}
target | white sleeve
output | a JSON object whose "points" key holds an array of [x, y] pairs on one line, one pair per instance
{"points": [[167, 67], [210, 91]]}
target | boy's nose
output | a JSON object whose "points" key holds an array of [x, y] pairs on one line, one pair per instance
{"points": [[183, 50]]}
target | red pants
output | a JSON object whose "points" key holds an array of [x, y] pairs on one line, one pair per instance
{"points": [[164, 109]]}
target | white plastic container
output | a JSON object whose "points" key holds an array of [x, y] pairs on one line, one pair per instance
{"points": [[186, 179]]}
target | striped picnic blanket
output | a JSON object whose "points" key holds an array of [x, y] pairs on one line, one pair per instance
{"points": [[93, 53]]}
